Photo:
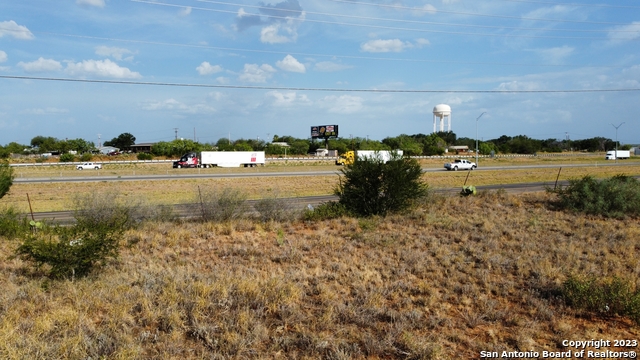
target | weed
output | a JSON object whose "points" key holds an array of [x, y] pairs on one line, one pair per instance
{"points": [[274, 209], [326, 211], [221, 205], [605, 297]]}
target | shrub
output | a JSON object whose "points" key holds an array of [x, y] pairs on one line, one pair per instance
{"points": [[325, 211], [615, 197], [144, 156], [605, 298], [13, 224], [69, 252], [274, 208], [6, 178], [67, 157], [372, 187], [86, 157], [221, 205]]}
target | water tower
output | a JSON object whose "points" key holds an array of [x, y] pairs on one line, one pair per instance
{"points": [[442, 112]]}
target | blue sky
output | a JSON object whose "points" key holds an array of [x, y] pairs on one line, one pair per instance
{"points": [[376, 68]]}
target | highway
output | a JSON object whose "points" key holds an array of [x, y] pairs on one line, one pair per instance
{"points": [[189, 174]]}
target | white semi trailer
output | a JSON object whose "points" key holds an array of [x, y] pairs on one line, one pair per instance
{"points": [[622, 154], [221, 159]]}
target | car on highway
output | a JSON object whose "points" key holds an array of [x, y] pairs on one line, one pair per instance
{"points": [[460, 164], [89, 165]]}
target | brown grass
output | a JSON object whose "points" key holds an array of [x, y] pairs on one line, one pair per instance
{"points": [[446, 281], [58, 196]]}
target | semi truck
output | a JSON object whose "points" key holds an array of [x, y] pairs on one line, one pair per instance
{"points": [[349, 157], [622, 154], [221, 159]]}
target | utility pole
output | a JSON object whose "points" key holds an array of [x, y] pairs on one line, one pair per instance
{"points": [[176, 130], [617, 138], [478, 118], [99, 141]]}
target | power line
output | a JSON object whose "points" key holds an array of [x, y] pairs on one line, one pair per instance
{"points": [[576, 4], [391, 27], [417, 21], [133, 41], [121, 82], [479, 15]]}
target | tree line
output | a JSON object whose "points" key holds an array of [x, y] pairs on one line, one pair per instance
{"points": [[412, 145]]}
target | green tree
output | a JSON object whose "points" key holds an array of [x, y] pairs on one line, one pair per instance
{"points": [[372, 187], [6, 178], [122, 142], [44, 143]]}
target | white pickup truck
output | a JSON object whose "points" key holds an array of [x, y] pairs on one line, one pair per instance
{"points": [[89, 165], [459, 164]]}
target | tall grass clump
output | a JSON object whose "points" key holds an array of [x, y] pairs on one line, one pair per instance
{"points": [[221, 205], [604, 298], [109, 208], [325, 211], [616, 197], [370, 186], [274, 208]]}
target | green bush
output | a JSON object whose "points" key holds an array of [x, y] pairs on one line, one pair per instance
{"points": [[605, 298], [86, 157], [67, 157], [372, 187], [6, 178], [325, 211], [616, 197], [68, 252], [144, 156], [13, 224]]}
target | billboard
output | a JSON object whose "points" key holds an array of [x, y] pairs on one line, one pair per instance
{"points": [[324, 131]]}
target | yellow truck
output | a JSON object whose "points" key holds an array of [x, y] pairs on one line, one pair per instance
{"points": [[349, 157]]}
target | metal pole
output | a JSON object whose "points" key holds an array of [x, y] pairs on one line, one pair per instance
{"points": [[617, 139], [478, 118]]}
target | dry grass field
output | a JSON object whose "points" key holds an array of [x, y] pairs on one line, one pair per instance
{"points": [[448, 280], [58, 196]]}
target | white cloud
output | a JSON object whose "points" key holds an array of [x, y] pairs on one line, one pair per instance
{"points": [[175, 105], [256, 74], [3, 56], [102, 68], [186, 11], [114, 52], [422, 42], [287, 98], [625, 32], [343, 104], [11, 28], [270, 35], [97, 3], [279, 22], [426, 9], [207, 69], [289, 63], [46, 111], [40, 65], [378, 46], [519, 85], [329, 66], [555, 55]]}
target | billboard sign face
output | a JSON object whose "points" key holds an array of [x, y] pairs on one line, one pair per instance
{"points": [[324, 131]]}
